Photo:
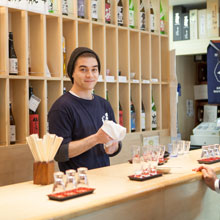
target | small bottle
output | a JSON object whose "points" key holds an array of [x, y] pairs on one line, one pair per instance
{"points": [[64, 90], [153, 115], [12, 126], [33, 117], [142, 16], [143, 127], [64, 56], [133, 114], [107, 11], [120, 13], [162, 19], [131, 14], [65, 7], [120, 115], [152, 18], [81, 9], [94, 10], [29, 60], [13, 61]]}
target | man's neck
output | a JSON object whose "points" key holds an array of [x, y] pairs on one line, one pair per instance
{"points": [[82, 94]]}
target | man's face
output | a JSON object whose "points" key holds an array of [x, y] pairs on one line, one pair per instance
{"points": [[85, 73]]}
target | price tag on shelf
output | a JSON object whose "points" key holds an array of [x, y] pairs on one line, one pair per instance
{"points": [[122, 78], [34, 102], [135, 81], [100, 79], [146, 81], [154, 80], [110, 78]]}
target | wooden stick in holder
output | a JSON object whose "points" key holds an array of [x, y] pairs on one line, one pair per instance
{"points": [[43, 172]]}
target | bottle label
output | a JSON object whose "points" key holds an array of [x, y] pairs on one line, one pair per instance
{"points": [[131, 18], [107, 12], [142, 21], [154, 119], [132, 121], [121, 117], [50, 6], [162, 26], [94, 8], [143, 121], [152, 26], [81, 8], [64, 7], [34, 123], [13, 66], [120, 15], [12, 133]]}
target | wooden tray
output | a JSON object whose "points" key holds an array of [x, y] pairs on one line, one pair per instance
{"points": [[133, 177], [62, 196], [209, 161]]}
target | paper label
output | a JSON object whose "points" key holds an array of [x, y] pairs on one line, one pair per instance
{"points": [[152, 25], [34, 102], [13, 65], [143, 120], [94, 8], [142, 21], [154, 119], [120, 15], [12, 133], [107, 12]]}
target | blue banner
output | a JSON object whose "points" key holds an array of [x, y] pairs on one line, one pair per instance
{"points": [[213, 72]]}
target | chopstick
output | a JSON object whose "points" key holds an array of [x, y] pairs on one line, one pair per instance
{"points": [[44, 150]]}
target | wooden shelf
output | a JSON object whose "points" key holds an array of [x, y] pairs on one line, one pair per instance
{"points": [[39, 37], [188, 47], [191, 47]]}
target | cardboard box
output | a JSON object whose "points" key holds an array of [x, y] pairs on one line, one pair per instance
{"points": [[177, 24], [202, 18], [213, 18], [185, 26], [193, 18], [201, 92]]}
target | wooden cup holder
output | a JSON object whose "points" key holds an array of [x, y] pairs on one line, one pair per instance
{"points": [[43, 173]]}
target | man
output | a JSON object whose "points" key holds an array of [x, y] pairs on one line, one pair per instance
{"points": [[210, 178], [78, 115]]}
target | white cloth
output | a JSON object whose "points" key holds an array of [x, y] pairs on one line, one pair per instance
{"points": [[115, 131]]}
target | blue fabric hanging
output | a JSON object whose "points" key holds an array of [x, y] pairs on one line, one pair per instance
{"points": [[213, 72]]}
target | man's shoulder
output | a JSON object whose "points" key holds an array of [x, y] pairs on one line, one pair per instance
{"points": [[62, 102]]}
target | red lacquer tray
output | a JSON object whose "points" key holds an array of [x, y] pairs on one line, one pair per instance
{"points": [[81, 191], [143, 178], [209, 160]]}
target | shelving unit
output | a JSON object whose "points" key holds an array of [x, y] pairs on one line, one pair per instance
{"points": [[120, 48], [188, 47]]}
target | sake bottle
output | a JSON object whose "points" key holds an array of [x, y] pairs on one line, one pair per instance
{"points": [[162, 19], [153, 115], [131, 14], [152, 18], [142, 16], [120, 13]]}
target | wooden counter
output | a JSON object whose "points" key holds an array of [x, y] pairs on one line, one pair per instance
{"points": [[179, 195]]}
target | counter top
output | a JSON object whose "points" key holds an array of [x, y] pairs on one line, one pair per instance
{"points": [[112, 186]]}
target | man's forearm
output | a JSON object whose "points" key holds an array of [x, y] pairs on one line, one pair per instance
{"points": [[80, 146]]}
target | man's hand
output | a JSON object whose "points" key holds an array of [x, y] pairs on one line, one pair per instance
{"points": [[112, 148], [102, 137], [208, 175]]}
